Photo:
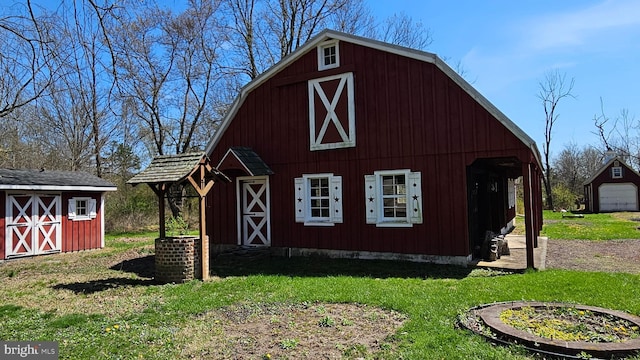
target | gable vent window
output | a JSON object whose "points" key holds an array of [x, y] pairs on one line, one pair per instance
{"points": [[328, 55], [616, 172], [318, 199]]}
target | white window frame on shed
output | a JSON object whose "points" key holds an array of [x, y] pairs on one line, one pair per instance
{"points": [[328, 55], [410, 194], [89, 213], [348, 135], [310, 199], [616, 172]]}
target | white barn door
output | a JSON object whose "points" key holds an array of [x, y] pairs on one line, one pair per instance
{"points": [[255, 228], [33, 225]]}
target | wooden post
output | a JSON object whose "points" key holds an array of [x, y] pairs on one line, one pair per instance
{"points": [[160, 191], [202, 188], [528, 213]]}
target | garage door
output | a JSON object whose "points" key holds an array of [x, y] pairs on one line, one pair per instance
{"points": [[618, 197]]}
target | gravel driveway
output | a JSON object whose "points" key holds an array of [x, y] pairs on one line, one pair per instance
{"points": [[587, 255]]}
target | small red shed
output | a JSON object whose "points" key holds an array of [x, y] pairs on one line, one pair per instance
{"points": [[351, 147], [614, 187], [44, 212]]}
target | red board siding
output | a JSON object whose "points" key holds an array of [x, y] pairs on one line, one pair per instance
{"points": [[409, 115], [83, 234]]}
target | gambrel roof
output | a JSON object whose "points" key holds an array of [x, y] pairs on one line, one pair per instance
{"points": [[47, 180], [394, 49]]}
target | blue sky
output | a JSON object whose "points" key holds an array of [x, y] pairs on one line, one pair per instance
{"points": [[506, 47]]}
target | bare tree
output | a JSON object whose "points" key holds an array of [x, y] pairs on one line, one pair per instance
{"points": [[553, 88], [25, 71], [574, 165], [401, 29]]}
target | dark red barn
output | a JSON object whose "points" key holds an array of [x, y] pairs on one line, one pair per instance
{"points": [[351, 147], [614, 187], [44, 212]]}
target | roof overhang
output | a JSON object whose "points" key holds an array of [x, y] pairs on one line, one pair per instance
{"points": [[245, 159]]}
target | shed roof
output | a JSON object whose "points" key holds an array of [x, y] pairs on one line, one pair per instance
{"points": [[171, 169], [427, 57], [248, 159], [606, 165], [48, 180]]}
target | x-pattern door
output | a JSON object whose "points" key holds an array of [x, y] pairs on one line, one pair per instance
{"points": [[33, 225], [255, 212]]}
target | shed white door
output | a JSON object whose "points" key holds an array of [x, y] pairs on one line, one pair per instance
{"points": [[254, 211], [618, 197], [33, 225]]}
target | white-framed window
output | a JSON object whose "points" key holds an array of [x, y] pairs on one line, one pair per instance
{"points": [[332, 118], [393, 198], [318, 199], [511, 192], [82, 208], [616, 172], [328, 55]]}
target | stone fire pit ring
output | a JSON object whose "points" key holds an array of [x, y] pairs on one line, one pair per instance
{"points": [[506, 334]]}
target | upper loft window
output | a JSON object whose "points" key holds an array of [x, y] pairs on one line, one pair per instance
{"points": [[616, 172], [328, 55]]}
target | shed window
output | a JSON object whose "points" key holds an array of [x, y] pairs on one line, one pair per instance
{"points": [[616, 172], [328, 55], [318, 199], [393, 198], [82, 208]]}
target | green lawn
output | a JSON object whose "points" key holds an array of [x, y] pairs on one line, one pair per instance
{"points": [[96, 311], [608, 226]]}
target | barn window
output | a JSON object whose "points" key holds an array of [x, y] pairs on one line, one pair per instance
{"points": [[318, 199], [616, 172], [328, 55], [82, 208], [393, 198]]}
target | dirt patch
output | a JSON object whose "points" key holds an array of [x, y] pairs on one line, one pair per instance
{"points": [[587, 255], [292, 331]]}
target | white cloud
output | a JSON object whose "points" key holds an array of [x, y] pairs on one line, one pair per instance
{"points": [[602, 22]]}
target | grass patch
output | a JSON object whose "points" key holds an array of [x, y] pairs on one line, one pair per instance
{"points": [[605, 226], [97, 312]]}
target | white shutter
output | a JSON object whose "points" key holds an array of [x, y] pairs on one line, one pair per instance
{"points": [[370, 198], [72, 209], [300, 199], [91, 203], [335, 192], [415, 198]]}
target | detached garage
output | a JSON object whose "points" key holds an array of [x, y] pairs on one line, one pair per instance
{"points": [[43, 212], [614, 187]]}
